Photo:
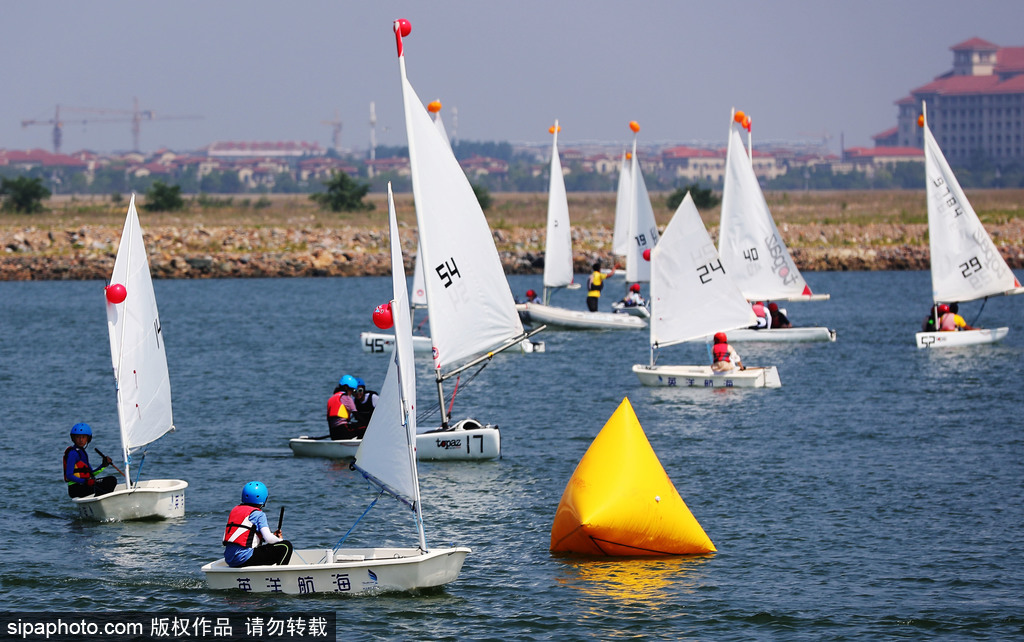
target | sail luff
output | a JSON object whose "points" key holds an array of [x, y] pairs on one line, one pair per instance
{"points": [[620, 235], [136, 345], [691, 292], [558, 242], [748, 240], [965, 263], [469, 301]]}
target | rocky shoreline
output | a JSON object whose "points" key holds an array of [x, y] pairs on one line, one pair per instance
{"points": [[176, 252]]}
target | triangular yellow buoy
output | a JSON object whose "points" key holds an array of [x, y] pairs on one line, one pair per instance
{"points": [[620, 501]]}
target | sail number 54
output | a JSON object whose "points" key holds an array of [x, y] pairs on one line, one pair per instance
{"points": [[447, 270]]}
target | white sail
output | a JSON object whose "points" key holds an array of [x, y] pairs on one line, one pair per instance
{"points": [[137, 345], [440, 128], [643, 231], [692, 294], [748, 240], [966, 264], [620, 237], [387, 454], [558, 271], [419, 289], [470, 304]]}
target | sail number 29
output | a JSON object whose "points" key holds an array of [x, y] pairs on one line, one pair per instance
{"points": [[970, 267]]}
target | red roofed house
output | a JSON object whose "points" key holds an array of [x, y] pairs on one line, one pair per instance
{"points": [[977, 107]]}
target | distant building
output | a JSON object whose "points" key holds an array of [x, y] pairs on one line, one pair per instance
{"points": [[977, 108]]}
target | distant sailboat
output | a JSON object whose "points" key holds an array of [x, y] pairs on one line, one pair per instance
{"points": [[558, 266], [643, 230], [752, 248], [965, 263], [692, 296]]}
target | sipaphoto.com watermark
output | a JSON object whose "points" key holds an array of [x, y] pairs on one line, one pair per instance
{"points": [[122, 626]]}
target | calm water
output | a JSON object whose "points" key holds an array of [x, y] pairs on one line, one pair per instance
{"points": [[878, 494]]}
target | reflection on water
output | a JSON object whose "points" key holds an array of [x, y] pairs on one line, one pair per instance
{"points": [[646, 580]]}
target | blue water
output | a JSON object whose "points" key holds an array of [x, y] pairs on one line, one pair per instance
{"points": [[878, 494]]}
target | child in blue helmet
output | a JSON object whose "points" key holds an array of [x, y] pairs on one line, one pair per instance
{"points": [[78, 474], [248, 540]]}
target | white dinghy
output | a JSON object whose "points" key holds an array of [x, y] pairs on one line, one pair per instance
{"points": [[387, 458], [643, 229], [753, 250], [692, 296], [558, 267], [143, 387], [965, 263]]}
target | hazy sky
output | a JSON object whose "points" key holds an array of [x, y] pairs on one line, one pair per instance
{"points": [[268, 71]]}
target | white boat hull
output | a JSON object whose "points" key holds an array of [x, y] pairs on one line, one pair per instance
{"points": [[961, 338], [582, 319], [705, 377], [352, 571], [150, 499], [633, 310], [467, 440], [379, 343], [779, 335]]}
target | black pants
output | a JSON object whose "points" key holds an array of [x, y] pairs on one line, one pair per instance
{"points": [[592, 303], [270, 554], [102, 486], [346, 431]]}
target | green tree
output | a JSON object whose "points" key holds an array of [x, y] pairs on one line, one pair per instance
{"points": [[483, 196], [23, 194], [704, 199], [161, 197], [344, 194]]}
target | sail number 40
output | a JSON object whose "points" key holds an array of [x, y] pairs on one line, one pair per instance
{"points": [[751, 254]]}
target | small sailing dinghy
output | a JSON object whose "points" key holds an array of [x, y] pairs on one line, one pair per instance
{"points": [[472, 312], [752, 248], [143, 387], [387, 458], [558, 272], [965, 263], [692, 296], [620, 502], [643, 229]]}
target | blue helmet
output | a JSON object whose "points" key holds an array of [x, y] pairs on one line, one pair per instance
{"points": [[82, 429], [360, 382], [254, 493], [350, 381]]}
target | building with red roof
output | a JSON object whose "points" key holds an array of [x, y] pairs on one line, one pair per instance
{"points": [[976, 108]]}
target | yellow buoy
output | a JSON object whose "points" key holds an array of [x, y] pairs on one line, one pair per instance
{"points": [[620, 501]]}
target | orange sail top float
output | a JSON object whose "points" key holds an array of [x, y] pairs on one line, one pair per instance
{"points": [[620, 502]]}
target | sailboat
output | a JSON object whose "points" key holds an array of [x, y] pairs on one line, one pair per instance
{"points": [[143, 386], [752, 248], [692, 295], [472, 312], [643, 229], [387, 459], [381, 343], [965, 263], [558, 268]]}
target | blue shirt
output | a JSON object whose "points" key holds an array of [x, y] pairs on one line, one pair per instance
{"points": [[236, 555]]}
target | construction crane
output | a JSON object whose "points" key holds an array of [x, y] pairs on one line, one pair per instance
{"points": [[336, 130], [135, 116]]}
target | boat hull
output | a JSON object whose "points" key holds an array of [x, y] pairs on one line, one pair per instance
{"points": [[467, 440], [705, 377], [582, 319], [150, 499], [379, 343], [633, 310], [352, 571], [779, 335], [958, 339]]}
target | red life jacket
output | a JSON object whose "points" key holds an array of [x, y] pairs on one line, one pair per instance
{"points": [[240, 529], [720, 352], [82, 471], [335, 407]]}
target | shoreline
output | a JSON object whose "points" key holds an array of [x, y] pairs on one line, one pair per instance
{"points": [[77, 239]]}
